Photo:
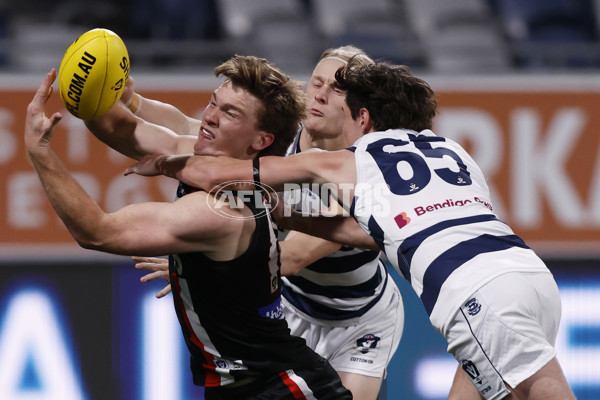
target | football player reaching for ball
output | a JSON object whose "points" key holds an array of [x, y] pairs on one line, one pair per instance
{"points": [[240, 345], [356, 326]]}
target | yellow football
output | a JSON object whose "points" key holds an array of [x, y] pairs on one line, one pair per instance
{"points": [[93, 73]]}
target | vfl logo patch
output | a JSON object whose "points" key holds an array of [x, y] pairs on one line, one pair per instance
{"points": [[367, 342], [476, 376], [473, 306], [470, 369]]}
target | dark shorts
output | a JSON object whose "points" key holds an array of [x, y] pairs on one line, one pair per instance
{"points": [[319, 382]]}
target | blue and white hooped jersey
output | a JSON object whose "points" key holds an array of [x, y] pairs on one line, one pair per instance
{"points": [[337, 288], [426, 203]]}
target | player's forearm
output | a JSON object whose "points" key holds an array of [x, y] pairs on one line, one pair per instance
{"points": [[71, 203], [205, 172], [164, 114], [276, 172], [299, 250], [338, 229], [135, 137], [117, 130]]}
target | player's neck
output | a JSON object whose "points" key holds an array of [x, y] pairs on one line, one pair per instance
{"points": [[310, 140]]}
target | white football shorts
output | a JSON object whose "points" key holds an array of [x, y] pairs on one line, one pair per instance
{"points": [[506, 331], [365, 346]]}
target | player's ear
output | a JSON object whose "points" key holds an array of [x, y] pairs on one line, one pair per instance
{"points": [[365, 121], [262, 141]]}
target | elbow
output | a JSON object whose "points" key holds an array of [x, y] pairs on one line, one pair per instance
{"points": [[289, 269], [91, 239], [89, 242], [291, 265], [87, 245]]}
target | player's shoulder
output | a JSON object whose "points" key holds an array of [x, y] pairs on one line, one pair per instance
{"points": [[313, 150]]}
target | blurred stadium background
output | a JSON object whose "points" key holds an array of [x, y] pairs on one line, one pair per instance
{"points": [[434, 36], [518, 83]]}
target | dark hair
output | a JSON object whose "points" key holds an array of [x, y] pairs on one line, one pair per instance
{"points": [[394, 97], [283, 100]]}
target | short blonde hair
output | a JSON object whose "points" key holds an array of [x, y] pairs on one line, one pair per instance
{"points": [[349, 52]]}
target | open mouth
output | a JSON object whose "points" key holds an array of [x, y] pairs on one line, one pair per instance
{"points": [[207, 134]]}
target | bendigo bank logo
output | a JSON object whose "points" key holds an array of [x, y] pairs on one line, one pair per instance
{"points": [[402, 219], [230, 198]]}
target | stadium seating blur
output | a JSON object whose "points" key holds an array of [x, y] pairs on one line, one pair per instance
{"points": [[433, 36], [549, 34], [459, 36]]}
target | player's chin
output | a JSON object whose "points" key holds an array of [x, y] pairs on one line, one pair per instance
{"points": [[313, 121], [202, 147], [205, 149]]}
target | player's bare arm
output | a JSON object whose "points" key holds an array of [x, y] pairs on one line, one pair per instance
{"points": [[299, 250], [337, 229], [167, 115], [131, 230], [157, 112], [206, 172], [135, 137]]}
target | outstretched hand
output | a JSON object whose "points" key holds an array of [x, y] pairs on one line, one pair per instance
{"points": [[159, 268], [38, 127]]}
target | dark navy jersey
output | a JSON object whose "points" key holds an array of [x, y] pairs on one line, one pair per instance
{"points": [[230, 311]]}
